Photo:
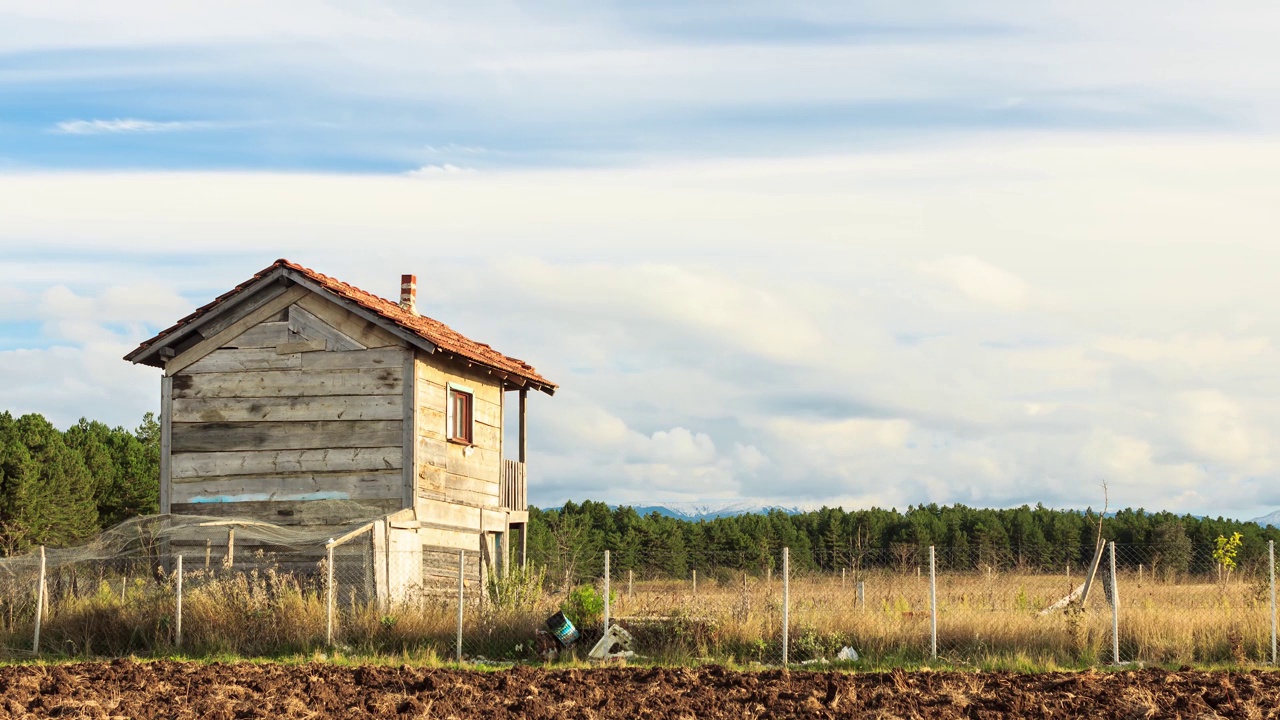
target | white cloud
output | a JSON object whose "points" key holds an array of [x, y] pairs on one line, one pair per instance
{"points": [[151, 302], [441, 169], [980, 281], [1218, 429], [756, 328], [14, 303], [128, 125], [1196, 351]]}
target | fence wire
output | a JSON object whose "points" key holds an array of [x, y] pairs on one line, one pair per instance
{"points": [[966, 607]]}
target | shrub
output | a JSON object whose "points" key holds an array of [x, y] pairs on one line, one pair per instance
{"points": [[585, 606]]}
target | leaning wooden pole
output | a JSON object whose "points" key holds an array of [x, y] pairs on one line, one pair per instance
{"points": [[1093, 570]]}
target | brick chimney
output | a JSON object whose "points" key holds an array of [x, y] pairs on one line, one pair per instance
{"points": [[409, 293]]}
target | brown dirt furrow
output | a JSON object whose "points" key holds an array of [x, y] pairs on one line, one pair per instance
{"points": [[128, 689]]}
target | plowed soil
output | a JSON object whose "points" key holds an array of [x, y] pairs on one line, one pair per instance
{"points": [[125, 688]]}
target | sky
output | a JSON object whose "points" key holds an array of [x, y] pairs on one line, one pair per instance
{"points": [[801, 253]]}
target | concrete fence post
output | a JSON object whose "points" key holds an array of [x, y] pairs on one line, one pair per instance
{"points": [[1271, 567], [329, 594], [786, 604], [177, 614], [933, 605], [462, 589], [40, 590], [630, 583], [862, 595], [695, 582], [1115, 610], [606, 591]]}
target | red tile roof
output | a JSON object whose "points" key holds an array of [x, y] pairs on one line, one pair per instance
{"points": [[446, 339]]}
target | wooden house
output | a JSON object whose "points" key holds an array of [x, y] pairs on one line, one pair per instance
{"points": [[295, 387]]}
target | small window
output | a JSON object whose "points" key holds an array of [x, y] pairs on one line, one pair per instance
{"points": [[460, 416]]}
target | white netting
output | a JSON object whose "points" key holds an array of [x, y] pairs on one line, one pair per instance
{"points": [[311, 526]]}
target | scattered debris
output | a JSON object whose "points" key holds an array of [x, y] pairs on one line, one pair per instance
{"points": [[847, 653], [562, 629], [548, 646], [615, 636]]}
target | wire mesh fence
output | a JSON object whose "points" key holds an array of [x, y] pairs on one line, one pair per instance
{"points": [[897, 606]]}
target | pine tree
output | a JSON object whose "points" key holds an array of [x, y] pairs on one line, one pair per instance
{"points": [[46, 492]]}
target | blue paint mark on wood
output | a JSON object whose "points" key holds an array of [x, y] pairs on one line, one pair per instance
{"points": [[265, 497]]}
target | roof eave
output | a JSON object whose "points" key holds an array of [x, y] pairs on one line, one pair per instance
{"points": [[409, 336], [146, 353]]}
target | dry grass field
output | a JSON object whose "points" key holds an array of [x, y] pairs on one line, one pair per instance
{"points": [[984, 620]]}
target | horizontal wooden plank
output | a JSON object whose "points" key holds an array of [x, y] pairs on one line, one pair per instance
{"points": [[264, 462], [447, 514], [339, 407], [475, 498], [290, 512], [433, 453], [297, 486], [495, 520], [300, 346], [434, 369], [355, 359], [237, 360], [289, 383], [431, 479], [461, 482], [306, 324], [455, 539], [263, 335], [353, 326], [291, 435], [431, 423], [480, 463]]}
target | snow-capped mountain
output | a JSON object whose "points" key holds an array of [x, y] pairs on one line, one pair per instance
{"points": [[1265, 520], [709, 510]]}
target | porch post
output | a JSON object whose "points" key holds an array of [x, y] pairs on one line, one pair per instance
{"points": [[524, 424]]}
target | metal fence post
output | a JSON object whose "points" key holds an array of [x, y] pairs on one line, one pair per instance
{"points": [[1115, 610], [1271, 565], [606, 591], [177, 615], [786, 603], [933, 606], [462, 569], [35, 647], [329, 594]]}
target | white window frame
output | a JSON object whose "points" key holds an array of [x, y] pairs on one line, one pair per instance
{"points": [[450, 389]]}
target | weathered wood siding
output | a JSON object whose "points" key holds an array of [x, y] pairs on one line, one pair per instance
{"points": [[306, 404], [447, 471], [457, 491]]}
